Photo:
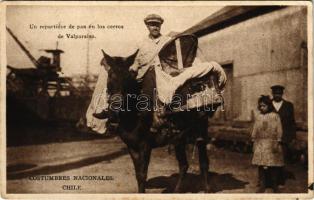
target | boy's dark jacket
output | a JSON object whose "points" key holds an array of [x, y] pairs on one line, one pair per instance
{"points": [[286, 113]]}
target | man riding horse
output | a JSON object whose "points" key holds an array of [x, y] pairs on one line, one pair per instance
{"points": [[146, 57], [144, 66], [149, 69], [145, 61]]}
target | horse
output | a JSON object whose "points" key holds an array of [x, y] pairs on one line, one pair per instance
{"points": [[134, 128]]}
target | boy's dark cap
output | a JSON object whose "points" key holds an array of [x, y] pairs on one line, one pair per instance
{"points": [[277, 88]]}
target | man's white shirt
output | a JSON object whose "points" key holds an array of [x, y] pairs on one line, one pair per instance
{"points": [[277, 105], [147, 55]]}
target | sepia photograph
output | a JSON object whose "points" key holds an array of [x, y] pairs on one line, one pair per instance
{"points": [[184, 98]]}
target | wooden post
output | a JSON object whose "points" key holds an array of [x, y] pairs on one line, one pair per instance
{"points": [[179, 54]]}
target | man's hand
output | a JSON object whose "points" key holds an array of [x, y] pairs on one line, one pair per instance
{"points": [[134, 70]]}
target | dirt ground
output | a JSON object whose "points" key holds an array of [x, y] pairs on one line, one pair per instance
{"points": [[230, 172]]}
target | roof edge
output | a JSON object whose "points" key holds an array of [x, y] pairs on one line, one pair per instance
{"points": [[228, 16]]}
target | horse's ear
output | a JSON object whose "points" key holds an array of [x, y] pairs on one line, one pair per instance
{"points": [[108, 58], [130, 60]]}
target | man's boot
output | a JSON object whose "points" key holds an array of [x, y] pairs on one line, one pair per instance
{"points": [[102, 115]]}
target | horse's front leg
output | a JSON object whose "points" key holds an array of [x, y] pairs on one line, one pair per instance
{"points": [[183, 165], [203, 164], [141, 159]]}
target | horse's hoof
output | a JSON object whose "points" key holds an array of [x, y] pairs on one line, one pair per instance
{"points": [[141, 190], [177, 189], [207, 189]]}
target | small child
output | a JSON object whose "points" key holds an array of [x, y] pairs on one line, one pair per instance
{"points": [[267, 149]]}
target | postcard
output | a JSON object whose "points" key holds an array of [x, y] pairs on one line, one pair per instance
{"points": [[157, 100]]}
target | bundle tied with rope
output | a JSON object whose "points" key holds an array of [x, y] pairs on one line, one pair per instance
{"points": [[181, 73]]}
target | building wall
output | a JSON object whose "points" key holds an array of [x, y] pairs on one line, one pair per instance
{"points": [[264, 51]]}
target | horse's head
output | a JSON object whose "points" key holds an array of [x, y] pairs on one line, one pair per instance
{"points": [[120, 83], [119, 78]]}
